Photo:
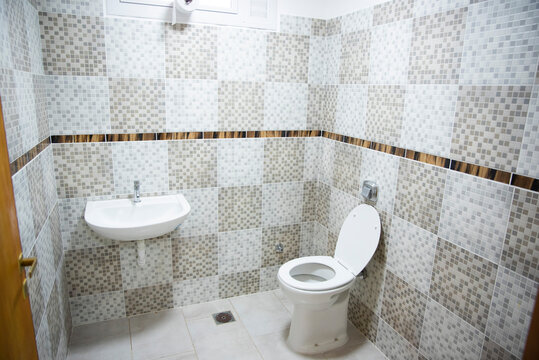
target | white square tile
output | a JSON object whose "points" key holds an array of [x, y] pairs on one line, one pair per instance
{"points": [[23, 204], [351, 110], [318, 53], [333, 59], [241, 54], [295, 25], [240, 162], [268, 278], [73, 7], [427, 7], [97, 307], [501, 44], [285, 106], [194, 291], [191, 105], [312, 155], [143, 161], [240, 251], [427, 123], [314, 240], [356, 21], [158, 335], [33, 37], [135, 47], [202, 219], [27, 124], [392, 344], [261, 313], [107, 340], [282, 203], [528, 161], [389, 53], [475, 213], [5, 43], [340, 205]]}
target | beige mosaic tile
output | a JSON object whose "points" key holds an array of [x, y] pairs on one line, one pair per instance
{"points": [[191, 51], [340, 205], [347, 168], [521, 247], [99, 307], [282, 203], [194, 257], [319, 27], [420, 190], [463, 282], [310, 198], [196, 291], [363, 319], [83, 169], [237, 284], [240, 105], [489, 125], [355, 57], [313, 240], [392, 344], [370, 290], [192, 164], [287, 58], [323, 204], [283, 159], [137, 105], [436, 49], [288, 236], [295, 25], [239, 251], [73, 45], [493, 351], [148, 299], [240, 207], [391, 11], [384, 113]]}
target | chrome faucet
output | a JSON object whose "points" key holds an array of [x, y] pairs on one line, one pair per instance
{"points": [[137, 192]]}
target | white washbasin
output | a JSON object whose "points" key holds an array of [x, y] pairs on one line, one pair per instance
{"points": [[125, 220]]}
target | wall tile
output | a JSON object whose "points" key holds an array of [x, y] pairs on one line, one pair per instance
{"points": [[445, 336], [157, 269], [183, 110], [359, 20], [194, 257], [191, 51], [511, 310], [148, 299], [202, 219], [240, 162], [529, 153], [287, 58], [311, 158], [10, 110], [140, 160], [351, 110], [340, 206], [363, 319], [313, 239], [240, 105], [521, 250], [392, 344], [428, 7], [56, 237], [420, 190], [240, 208], [390, 53], [384, 114], [196, 291], [493, 351], [310, 199], [283, 160], [436, 49], [78, 105], [494, 39], [323, 204], [391, 11], [37, 300], [240, 251], [18, 36], [241, 283], [355, 51], [40, 86], [330, 107], [54, 321], [25, 215], [268, 278], [333, 58], [5, 43], [410, 253], [289, 236], [370, 290], [427, 123], [483, 139], [333, 26], [282, 203], [403, 308], [31, 22], [73, 45], [99, 307], [317, 59], [241, 54], [474, 214], [317, 110], [319, 27], [463, 282], [192, 164], [327, 155], [93, 271], [44, 251], [83, 169], [347, 168], [295, 25], [383, 169], [137, 105], [43, 341], [129, 41], [285, 106]]}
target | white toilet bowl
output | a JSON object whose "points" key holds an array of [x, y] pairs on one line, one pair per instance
{"points": [[318, 286]]}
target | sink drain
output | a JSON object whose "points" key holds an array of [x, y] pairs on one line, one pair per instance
{"points": [[223, 317]]}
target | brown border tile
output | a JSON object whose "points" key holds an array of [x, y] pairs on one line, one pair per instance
{"points": [[525, 182], [24, 159], [180, 136], [481, 171], [132, 137], [428, 159]]}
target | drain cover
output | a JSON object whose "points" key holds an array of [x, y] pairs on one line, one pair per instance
{"points": [[223, 317]]}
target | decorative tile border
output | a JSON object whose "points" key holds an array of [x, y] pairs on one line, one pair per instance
{"points": [[501, 176]]}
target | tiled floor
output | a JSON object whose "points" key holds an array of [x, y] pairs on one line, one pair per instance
{"points": [[189, 333]]}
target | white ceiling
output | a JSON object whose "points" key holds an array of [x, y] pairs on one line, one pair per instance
{"points": [[323, 9]]}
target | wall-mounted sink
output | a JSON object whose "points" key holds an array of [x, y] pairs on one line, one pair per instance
{"points": [[126, 220]]}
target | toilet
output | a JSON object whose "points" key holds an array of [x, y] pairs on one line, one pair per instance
{"points": [[319, 286]]}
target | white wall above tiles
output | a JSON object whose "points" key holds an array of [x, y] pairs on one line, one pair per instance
{"points": [[324, 9]]}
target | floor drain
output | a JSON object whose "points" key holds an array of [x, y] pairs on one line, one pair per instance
{"points": [[223, 317]]}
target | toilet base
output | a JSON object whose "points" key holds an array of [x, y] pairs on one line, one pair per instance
{"points": [[314, 331]]}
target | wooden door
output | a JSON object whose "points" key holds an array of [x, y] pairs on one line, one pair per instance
{"points": [[17, 339]]}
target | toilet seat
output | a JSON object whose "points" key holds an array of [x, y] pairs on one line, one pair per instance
{"points": [[341, 277]]}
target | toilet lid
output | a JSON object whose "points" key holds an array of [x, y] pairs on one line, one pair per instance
{"points": [[358, 238]]}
